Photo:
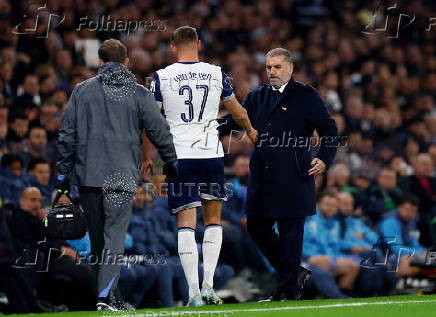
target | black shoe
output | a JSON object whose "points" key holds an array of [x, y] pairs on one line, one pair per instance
{"points": [[303, 278], [276, 296], [279, 295], [47, 307]]}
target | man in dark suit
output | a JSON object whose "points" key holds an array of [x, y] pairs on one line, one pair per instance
{"points": [[281, 186]]}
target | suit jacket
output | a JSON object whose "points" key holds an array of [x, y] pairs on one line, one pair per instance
{"points": [[279, 185]]}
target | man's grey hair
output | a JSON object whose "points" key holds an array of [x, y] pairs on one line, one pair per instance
{"points": [[280, 51]]}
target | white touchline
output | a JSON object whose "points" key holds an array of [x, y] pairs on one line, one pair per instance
{"points": [[285, 308]]}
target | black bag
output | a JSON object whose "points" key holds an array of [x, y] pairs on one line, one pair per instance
{"points": [[65, 222]]}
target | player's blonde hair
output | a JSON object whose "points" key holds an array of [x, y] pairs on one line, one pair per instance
{"points": [[184, 35]]}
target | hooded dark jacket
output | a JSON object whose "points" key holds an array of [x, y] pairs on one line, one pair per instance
{"points": [[100, 141]]}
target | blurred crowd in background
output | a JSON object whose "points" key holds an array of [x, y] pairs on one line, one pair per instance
{"points": [[378, 197]]}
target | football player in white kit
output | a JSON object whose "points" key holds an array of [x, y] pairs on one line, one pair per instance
{"points": [[189, 92]]}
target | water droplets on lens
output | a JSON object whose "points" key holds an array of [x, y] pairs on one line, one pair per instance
{"points": [[119, 85], [118, 189]]}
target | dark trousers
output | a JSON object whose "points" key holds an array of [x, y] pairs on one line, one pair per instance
{"points": [[282, 250], [108, 221]]}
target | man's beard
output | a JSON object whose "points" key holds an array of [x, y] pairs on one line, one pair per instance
{"points": [[277, 86]]}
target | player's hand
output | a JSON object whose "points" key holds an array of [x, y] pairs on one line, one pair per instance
{"points": [[318, 167], [252, 135], [171, 170], [147, 165]]}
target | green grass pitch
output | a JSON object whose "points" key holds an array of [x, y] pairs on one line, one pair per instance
{"points": [[394, 306]]}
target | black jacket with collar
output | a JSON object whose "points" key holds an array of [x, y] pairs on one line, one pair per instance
{"points": [[279, 185]]}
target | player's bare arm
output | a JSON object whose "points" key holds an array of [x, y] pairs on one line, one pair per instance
{"points": [[239, 114]]}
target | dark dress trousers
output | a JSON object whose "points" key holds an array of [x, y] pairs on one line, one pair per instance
{"points": [[280, 188]]}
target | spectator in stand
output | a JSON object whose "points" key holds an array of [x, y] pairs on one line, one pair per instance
{"points": [[400, 227], [423, 186], [338, 176], [322, 243], [21, 296], [357, 238], [49, 118], [30, 98], [358, 187], [64, 64], [36, 146], [3, 128], [39, 176], [18, 127], [384, 194], [359, 182], [400, 167], [11, 182], [353, 112], [47, 84], [29, 233], [6, 73]]}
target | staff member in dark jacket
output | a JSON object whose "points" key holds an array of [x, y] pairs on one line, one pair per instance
{"points": [[100, 144], [281, 186]]}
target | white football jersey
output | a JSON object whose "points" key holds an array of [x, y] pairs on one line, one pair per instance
{"points": [[189, 94]]}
